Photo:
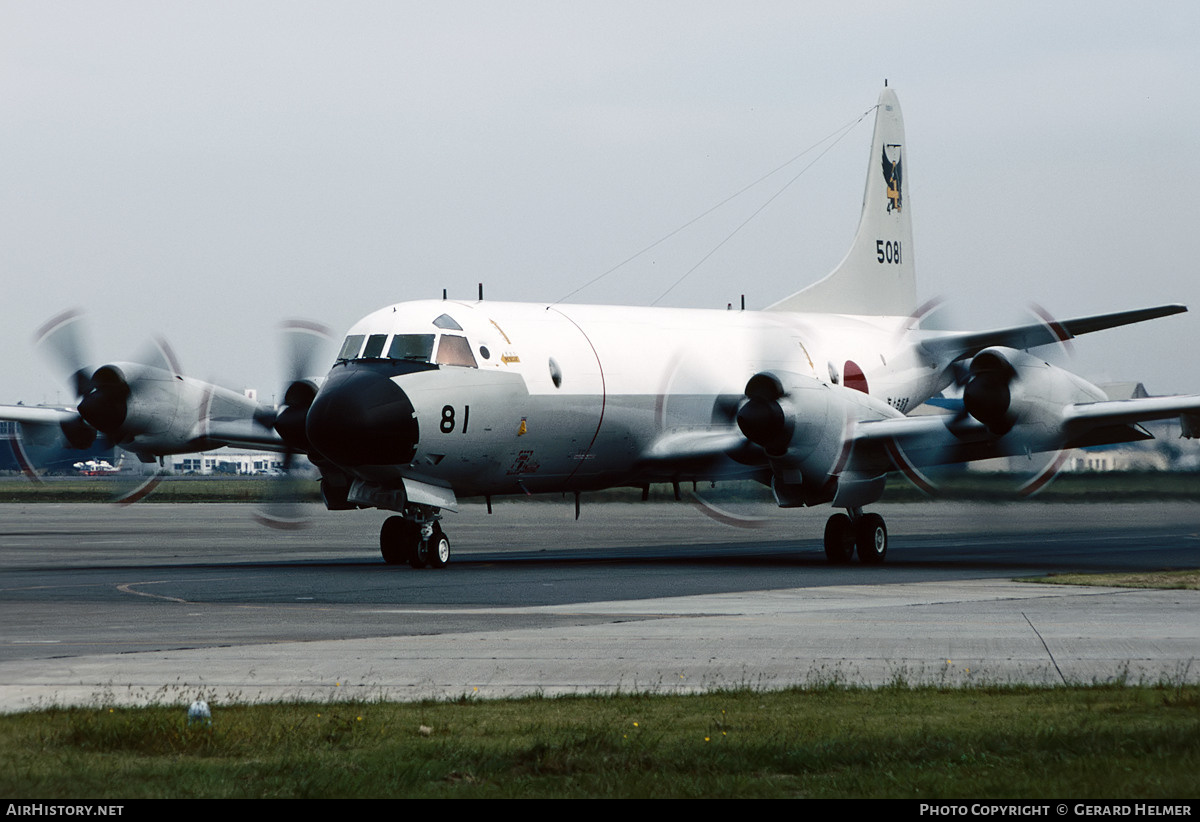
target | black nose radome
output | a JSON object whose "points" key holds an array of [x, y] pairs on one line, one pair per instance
{"points": [[361, 417]]}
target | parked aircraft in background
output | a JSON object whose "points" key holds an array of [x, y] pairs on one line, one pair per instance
{"points": [[96, 468]]}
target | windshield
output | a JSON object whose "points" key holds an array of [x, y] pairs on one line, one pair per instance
{"points": [[407, 347], [411, 347], [351, 347], [455, 350], [374, 346]]}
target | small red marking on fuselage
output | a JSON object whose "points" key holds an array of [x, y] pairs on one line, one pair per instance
{"points": [[853, 377]]}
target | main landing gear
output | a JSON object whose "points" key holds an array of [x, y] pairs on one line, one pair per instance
{"points": [[420, 544], [865, 531]]}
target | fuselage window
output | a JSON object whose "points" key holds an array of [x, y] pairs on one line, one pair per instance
{"points": [[447, 322], [455, 351], [374, 346], [417, 347], [351, 347]]}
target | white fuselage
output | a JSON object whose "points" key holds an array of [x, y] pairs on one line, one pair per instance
{"points": [[572, 397]]}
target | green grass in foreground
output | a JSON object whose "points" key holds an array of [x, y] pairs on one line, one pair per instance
{"points": [[1098, 742], [1170, 580]]}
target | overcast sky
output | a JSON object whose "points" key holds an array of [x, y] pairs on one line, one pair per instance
{"points": [[205, 170]]}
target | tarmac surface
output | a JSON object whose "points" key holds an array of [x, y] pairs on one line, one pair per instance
{"points": [[170, 602]]}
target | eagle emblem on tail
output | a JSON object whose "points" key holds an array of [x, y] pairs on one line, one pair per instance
{"points": [[892, 176]]}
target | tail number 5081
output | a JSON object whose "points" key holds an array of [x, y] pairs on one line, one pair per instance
{"points": [[887, 252]]}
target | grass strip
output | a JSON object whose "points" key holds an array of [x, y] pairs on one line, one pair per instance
{"points": [[1109, 741], [1171, 580]]}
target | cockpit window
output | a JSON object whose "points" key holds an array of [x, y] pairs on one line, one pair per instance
{"points": [[351, 347], [447, 322], [411, 347], [455, 351], [374, 346]]}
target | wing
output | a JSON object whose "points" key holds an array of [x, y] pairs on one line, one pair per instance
{"points": [[1084, 416], [691, 445], [951, 346], [940, 439], [701, 454], [243, 433], [240, 424], [37, 414]]}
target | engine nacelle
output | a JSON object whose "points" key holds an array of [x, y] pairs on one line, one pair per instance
{"points": [[1007, 388], [1189, 426], [802, 424], [153, 412], [131, 400], [292, 418]]}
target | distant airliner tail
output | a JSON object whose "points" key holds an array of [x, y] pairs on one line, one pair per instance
{"points": [[877, 276]]}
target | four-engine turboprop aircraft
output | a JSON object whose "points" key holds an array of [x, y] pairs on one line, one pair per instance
{"points": [[432, 401]]}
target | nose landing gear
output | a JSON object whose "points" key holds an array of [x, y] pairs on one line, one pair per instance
{"points": [[420, 544]]}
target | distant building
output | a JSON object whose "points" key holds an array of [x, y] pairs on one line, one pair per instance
{"points": [[1133, 456], [232, 461]]}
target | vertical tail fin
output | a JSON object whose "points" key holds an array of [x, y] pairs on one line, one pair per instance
{"points": [[877, 276]]}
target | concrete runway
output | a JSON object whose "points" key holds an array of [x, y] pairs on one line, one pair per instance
{"points": [[171, 601]]}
